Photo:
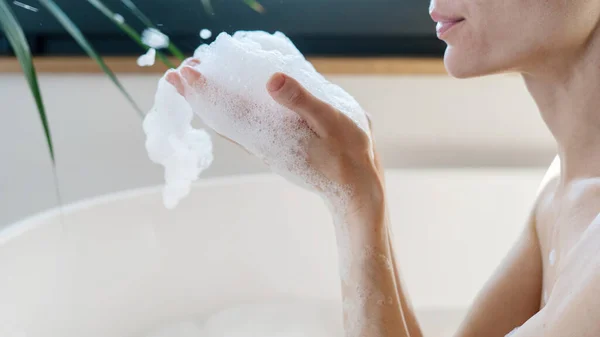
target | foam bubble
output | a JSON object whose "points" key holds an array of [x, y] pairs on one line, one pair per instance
{"points": [[235, 103], [147, 59], [171, 141], [205, 34], [154, 38], [119, 18]]}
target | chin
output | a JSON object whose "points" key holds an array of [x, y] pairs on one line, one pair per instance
{"points": [[466, 65]]}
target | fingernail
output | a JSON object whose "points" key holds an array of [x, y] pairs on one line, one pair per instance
{"points": [[171, 76], [276, 82], [190, 74]]}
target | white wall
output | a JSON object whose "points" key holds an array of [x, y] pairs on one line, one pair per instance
{"points": [[432, 121]]}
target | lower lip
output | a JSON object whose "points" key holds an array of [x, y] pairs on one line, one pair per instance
{"points": [[443, 28]]}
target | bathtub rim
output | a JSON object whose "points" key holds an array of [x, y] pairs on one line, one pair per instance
{"points": [[15, 229]]}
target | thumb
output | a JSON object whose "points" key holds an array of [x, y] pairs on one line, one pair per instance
{"points": [[291, 94]]}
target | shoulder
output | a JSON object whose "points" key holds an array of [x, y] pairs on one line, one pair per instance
{"points": [[550, 180], [545, 194]]}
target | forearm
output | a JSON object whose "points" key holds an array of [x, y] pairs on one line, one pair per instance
{"points": [[410, 318], [373, 303]]}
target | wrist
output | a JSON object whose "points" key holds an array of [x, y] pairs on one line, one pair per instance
{"points": [[367, 201]]}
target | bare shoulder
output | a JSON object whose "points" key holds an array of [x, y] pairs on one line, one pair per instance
{"points": [[574, 307], [545, 194]]}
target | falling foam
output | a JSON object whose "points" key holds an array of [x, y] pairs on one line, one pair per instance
{"points": [[171, 141], [119, 18], [147, 59], [205, 34], [235, 103], [154, 38]]}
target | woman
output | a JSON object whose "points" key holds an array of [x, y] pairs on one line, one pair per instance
{"points": [[549, 285]]}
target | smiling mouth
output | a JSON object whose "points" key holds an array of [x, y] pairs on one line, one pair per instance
{"points": [[443, 27]]}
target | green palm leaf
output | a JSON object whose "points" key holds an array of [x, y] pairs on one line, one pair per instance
{"points": [[16, 38], [128, 30], [72, 29], [255, 5]]}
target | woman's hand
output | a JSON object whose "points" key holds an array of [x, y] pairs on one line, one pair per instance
{"points": [[340, 150]]}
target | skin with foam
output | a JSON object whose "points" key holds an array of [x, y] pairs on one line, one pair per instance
{"points": [[555, 45]]}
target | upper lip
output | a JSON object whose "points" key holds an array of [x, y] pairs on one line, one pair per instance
{"points": [[438, 17]]}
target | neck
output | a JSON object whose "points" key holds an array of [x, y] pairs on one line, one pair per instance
{"points": [[567, 93]]}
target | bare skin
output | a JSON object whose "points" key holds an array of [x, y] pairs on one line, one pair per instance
{"points": [[549, 284]]}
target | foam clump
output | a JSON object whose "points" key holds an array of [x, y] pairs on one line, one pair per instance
{"points": [[172, 142], [154, 38], [235, 103], [147, 59]]}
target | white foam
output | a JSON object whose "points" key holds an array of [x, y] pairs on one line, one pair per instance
{"points": [[154, 38], [552, 257], [205, 34], [119, 18], [512, 332], [171, 141], [235, 103], [147, 59]]}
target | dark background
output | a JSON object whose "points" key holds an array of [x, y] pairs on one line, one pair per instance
{"points": [[317, 27]]}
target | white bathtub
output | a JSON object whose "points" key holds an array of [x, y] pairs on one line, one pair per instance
{"points": [[121, 265]]}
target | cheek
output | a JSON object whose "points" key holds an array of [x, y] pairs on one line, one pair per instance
{"points": [[492, 43]]}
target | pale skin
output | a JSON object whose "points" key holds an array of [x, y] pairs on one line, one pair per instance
{"points": [[555, 45]]}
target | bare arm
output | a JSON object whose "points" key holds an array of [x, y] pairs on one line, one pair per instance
{"points": [[375, 304]]}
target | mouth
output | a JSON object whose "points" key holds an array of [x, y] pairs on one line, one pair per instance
{"points": [[445, 23]]}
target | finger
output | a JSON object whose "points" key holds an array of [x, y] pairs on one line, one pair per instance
{"points": [[193, 77], [289, 93], [175, 80], [192, 62]]}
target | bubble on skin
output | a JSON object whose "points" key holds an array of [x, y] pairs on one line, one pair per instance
{"points": [[235, 103], [205, 34], [552, 257]]}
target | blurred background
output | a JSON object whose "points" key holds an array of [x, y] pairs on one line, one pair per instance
{"points": [[383, 52], [478, 145]]}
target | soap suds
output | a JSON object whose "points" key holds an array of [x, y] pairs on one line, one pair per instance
{"points": [[512, 332], [154, 38], [171, 141], [147, 59], [235, 103], [119, 18], [552, 257], [205, 34]]}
